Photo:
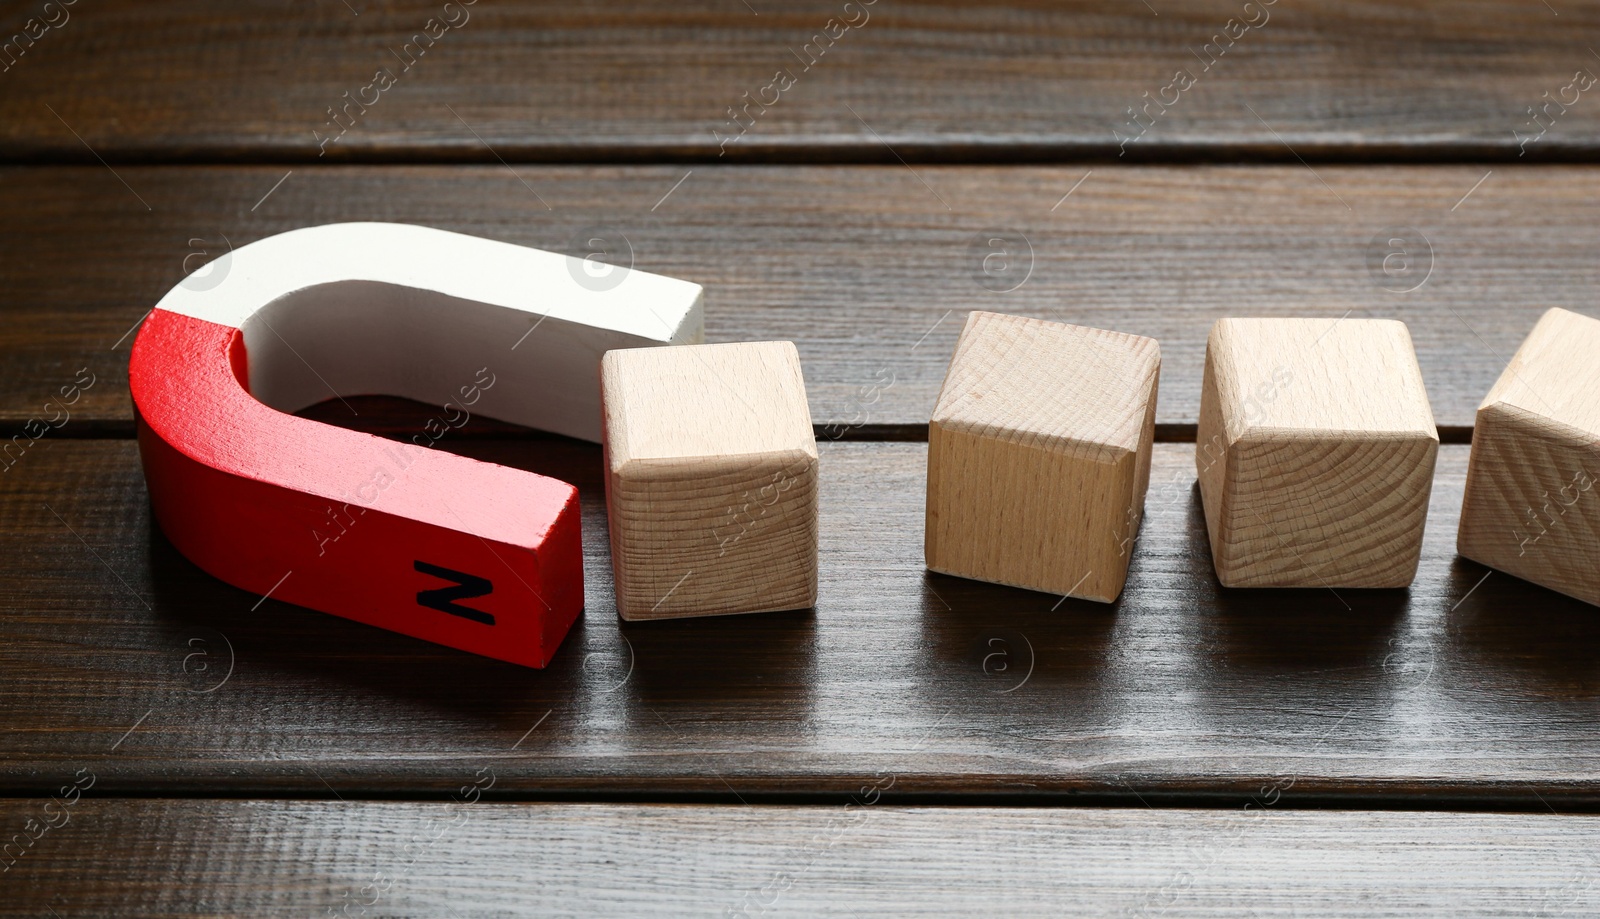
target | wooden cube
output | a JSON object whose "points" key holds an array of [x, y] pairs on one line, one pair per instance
{"points": [[1315, 453], [711, 480], [1530, 507], [1039, 455]]}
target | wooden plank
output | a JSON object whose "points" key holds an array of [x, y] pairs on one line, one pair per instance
{"points": [[241, 858], [863, 267], [922, 80], [1470, 687]]}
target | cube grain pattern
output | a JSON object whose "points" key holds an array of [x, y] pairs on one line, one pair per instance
{"points": [[1530, 507], [1315, 453], [711, 480], [1039, 455]]}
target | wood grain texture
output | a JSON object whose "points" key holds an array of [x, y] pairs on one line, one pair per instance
{"points": [[1535, 456], [163, 858], [922, 80], [863, 268], [1471, 687], [711, 480], [1315, 453], [1039, 455]]}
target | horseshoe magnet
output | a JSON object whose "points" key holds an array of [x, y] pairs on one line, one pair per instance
{"points": [[464, 553]]}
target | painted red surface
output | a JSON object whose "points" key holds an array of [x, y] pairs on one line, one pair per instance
{"points": [[251, 494]]}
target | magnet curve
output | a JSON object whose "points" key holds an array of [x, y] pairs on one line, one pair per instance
{"points": [[464, 553]]}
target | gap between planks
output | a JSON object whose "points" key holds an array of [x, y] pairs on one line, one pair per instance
{"points": [[1505, 799], [106, 429], [1553, 152]]}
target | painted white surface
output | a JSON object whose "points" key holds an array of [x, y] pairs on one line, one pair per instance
{"points": [[381, 308]]}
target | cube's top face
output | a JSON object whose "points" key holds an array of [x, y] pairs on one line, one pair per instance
{"points": [[1059, 387], [1318, 379], [719, 401], [1555, 373]]}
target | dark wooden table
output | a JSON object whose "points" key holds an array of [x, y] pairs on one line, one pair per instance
{"points": [[916, 744]]}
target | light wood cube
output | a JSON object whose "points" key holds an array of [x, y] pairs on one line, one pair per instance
{"points": [[1039, 455], [711, 480], [1315, 453], [1530, 508]]}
